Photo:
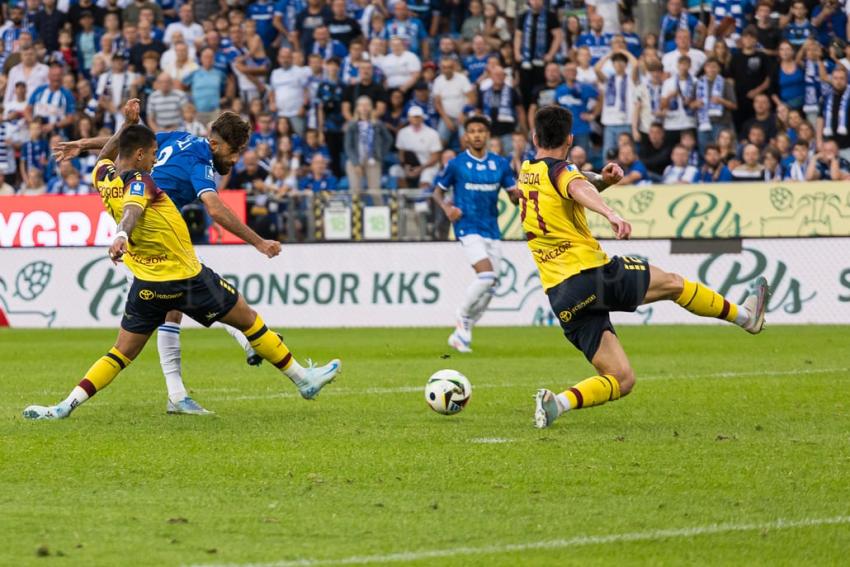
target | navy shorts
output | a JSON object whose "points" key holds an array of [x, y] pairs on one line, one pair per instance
{"points": [[582, 302], [206, 298]]}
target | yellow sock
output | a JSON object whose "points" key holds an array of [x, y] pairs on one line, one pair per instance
{"points": [[104, 371], [270, 346], [593, 391], [706, 302]]}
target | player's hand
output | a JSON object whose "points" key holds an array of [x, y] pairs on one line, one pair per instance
{"points": [[131, 110], [453, 213], [117, 250], [612, 174], [622, 229], [64, 151], [269, 248]]}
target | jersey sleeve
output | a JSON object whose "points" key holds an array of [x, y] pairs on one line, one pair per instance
{"points": [[508, 179], [101, 173], [140, 191], [561, 175], [446, 178], [202, 176]]}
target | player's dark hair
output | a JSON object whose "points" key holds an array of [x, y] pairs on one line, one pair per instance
{"points": [[232, 130], [135, 137], [478, 119], [553, 125]]}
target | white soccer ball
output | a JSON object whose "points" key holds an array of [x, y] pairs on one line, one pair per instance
{"points": [[447, 391]]}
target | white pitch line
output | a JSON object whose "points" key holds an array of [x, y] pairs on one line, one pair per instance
{"points": [[585, 540]]}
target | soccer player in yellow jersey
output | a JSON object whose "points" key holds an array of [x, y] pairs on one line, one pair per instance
{"points": [[583, 284], [154, 243]]}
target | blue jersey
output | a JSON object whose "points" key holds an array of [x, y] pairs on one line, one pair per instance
{"points": [[184, 167], [476, 185]]}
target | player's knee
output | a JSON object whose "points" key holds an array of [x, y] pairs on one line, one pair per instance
{"points": [[173, 316], [626, 378], [674, 285]]}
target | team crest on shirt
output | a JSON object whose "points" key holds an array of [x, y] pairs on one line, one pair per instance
{"points": [[137, 188], [491, 164], [468, 165], [209, 173]]}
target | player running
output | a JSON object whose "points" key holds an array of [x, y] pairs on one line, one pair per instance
{"points": [[583, 284], [185, 170], [154, 242], [476, 176]]}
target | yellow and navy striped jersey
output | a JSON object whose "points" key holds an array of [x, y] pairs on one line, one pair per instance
{"points": [[555, 226], [159, 248]]}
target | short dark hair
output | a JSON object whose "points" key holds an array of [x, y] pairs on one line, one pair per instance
{"points": [[134, 137], [232, 130], [619, 57], [478, 119], [711, 147], [553, 125], [802, 144]]}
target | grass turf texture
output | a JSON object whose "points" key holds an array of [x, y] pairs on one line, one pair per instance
{"points": [[370, 470]]}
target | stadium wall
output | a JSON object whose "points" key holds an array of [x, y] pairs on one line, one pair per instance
{"points": [[421, 284]]}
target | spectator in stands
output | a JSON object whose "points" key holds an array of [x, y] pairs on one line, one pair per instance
{"points": [[472, 24], [616, 103], [68, 182], [578, 156], [206, 86], [114, 87], [410, 29], [536, 42], [834, 121], [501, 103], [452, 92], [48, 21], [750, 71], [133, 10], [342, 27], [544, 93], [683, 49], [675, 19], [648, 102], [419, 150], [751, 168], [713, 170], [401, 67], [252, 175], [679, 171], [34, 156], [164, 106], [145, 44], [796, 168], [799, 28], [88, 40], [311, 147], [318, 179], [289, 84], [366, 86], [714, 102], [29, 71], [769, 35], [325, 46], [788, 84], [190, 121], [827, 164], [367, 144], [182, 66], [476, 62], [608, 10], [772, 161], [594, 40], [52, 104], [579, 98], [634, 172], [655, 153], [494, 27]]}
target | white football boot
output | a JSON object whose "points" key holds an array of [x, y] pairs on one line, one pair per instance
{"points": [[756, 306]]}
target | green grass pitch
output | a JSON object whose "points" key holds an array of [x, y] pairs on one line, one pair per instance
{"points": [[731, 450]]}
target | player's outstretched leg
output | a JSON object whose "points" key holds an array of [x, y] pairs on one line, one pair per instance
{"points": [[99, 376], [705, 302], [169, 348], [269, 345], [615, 380], [251, 356], [477, 298]]}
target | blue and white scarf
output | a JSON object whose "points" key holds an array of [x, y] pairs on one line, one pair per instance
{"points": [[535, 56], [654, 96], [669, 27], [615, 94], [842, 114], [810, 103], [797, 171], [365, 140], [350, 72], [502, 102], [683, 95], [709, 109]]}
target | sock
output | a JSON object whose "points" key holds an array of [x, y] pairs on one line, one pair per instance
{"points": [[593, 391], [477, 292], [240, 338], [271, 348], [168, 345], [706, 302], [98, 377], [481, 306]]}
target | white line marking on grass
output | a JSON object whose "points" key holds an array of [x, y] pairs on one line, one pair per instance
{"points": [[653, 535], [490, 440]]}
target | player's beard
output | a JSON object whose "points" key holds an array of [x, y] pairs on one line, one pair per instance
{"points": [[221, 167]]}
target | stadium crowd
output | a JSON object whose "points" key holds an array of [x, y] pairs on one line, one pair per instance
{"points": [[357, 94]]}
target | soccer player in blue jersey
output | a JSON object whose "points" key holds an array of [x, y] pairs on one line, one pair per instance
{"points": [[185, 169], [476, 176]]}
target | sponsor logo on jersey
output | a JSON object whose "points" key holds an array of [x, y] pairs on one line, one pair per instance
{"points": [[146, 294], [567, 314], [543, 256], [482, 186], [137, 188]]}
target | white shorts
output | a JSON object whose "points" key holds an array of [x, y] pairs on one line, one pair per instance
{"points": [[479, 248]]}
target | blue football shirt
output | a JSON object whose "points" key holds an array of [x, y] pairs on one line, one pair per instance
{"points": [[184, 167], [476, 185]]}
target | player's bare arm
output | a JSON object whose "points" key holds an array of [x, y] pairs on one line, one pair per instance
{"points": [[585, 194], [132, 214], [452, 213], [223, 215]]}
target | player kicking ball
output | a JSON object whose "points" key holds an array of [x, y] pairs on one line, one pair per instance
{"points": [[154, 242], [476, 176], [185, 170], [584, 285]]}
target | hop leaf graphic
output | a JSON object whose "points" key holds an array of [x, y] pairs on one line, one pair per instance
{"points": [[781, 198], [32, 279], [641, 201]]}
